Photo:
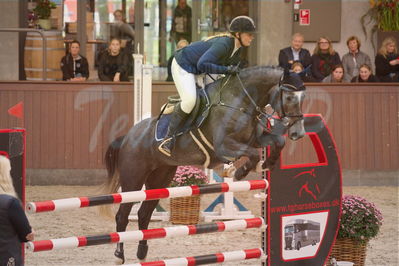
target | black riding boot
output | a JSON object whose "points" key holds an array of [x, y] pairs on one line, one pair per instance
{"points": [[176, 122]]}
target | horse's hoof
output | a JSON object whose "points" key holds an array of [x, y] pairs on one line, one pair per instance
{"points": [[142, 251], [229, 170], [120, 257]]}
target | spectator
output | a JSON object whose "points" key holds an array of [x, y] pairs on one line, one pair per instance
{"points": [[354, 58], [297, 67], [365, 75], [181, 22], [182, 43], [14, 225], [74, 66], [324, 58], [337, 75], [113, 64], [123, 31], [387, 61], [294, 53]]}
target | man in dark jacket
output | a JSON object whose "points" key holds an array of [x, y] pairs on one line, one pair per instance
{"points": [[294, 53]]}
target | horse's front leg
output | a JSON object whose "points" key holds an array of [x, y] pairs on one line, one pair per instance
{"points": [[275, 151], [250, 164], [232, 150]]}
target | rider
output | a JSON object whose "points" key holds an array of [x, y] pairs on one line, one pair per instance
{"points": [[218, 54]]}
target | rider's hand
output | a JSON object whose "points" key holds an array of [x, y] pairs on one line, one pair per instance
{"points": [[233, 70]]}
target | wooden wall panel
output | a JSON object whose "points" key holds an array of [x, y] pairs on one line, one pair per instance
{"points": [[70, 125]]}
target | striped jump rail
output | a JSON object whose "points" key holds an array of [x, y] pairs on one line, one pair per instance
{"points": [[143, 195], [166, 232], [238, 255]]}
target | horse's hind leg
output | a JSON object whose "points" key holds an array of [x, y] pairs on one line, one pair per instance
{"points": [[160, 178], [132, 178], [122, 220]]}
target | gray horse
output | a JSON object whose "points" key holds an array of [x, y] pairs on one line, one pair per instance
{"points": [[230, 131]]}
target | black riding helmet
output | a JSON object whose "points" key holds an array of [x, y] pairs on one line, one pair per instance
{"points": [[242, 24]]}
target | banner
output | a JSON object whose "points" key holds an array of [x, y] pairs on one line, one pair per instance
{"points": [[304, 202]]}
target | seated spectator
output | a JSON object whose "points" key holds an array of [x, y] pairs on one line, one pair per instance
{"points": [[297, 67], [365, 75], [74, 66], [14, 225], [182, 43], [324, 58], [337, 75], [387, 61], [113, 64], [354, 58], [294, 53]]}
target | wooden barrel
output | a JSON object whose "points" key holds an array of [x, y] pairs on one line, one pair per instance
{"points": [[33, 55]]}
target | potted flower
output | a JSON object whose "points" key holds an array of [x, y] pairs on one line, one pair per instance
{"points": [[43, 12], [385, 16], [186, 210], [360, 221]]}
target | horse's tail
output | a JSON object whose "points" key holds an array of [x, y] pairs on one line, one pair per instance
{"points": [[112, 184]]}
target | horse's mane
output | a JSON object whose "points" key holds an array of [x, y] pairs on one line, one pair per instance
{"points": [[261, 73]]}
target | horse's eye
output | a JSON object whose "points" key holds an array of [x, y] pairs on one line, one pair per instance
{"points": [[289, 98]]}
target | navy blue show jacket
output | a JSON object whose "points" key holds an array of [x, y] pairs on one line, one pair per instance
{"points": [[208, 56]]}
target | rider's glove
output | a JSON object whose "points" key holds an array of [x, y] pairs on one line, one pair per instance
{"points": [[233, 70]]}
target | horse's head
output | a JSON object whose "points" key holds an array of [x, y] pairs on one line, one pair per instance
{"points": [[286, 99], [255, 87]]}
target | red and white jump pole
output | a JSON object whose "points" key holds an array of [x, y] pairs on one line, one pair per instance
{"points": [[238, 255], [136, 196], [82, 241]]}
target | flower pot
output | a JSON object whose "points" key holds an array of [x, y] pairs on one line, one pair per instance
{"points": [[185, 210], [45, 24], [346, 249]]}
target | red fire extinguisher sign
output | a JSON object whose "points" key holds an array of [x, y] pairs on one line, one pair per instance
{"points": [[304, 17]]}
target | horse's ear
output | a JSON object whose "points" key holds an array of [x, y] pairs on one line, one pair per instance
{"points": [[286, 74]]}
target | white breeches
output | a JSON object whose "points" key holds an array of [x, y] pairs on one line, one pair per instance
{"points": [[185, 84]]}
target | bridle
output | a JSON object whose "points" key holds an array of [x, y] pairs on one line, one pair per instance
{"points": [[264, 119]]}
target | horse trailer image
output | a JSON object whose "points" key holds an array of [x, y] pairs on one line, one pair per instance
{"points": [[301, 233]]}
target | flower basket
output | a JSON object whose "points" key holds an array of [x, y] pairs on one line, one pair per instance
{"points": [[360, 221], [185, 210], [346, 249]]}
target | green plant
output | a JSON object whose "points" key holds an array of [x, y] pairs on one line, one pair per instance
{"points": [[43, 9], [385, 15], [188, 176], [360, 219]]}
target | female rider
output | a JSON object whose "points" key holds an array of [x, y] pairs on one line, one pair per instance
{"points": [[218, 54]]}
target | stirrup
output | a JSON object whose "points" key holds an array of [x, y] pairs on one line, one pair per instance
{"points": [[161, 147]]}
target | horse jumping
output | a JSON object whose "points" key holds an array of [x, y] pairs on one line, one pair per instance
{"points": [[229, 132]]}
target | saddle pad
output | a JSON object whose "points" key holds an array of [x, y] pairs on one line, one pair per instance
{"points": [[161, 127]]}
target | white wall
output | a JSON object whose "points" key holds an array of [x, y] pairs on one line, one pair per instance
{"points": [[9, 17]]}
